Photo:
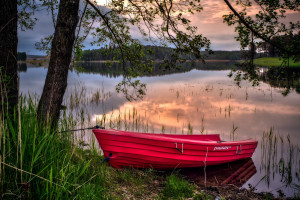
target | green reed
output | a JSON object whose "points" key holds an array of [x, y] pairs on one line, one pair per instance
{"points": [[139, 121], [163, 129], [232, 133], [190, 128], [132, 119], [280, 156], [39, 162], [202, 125]]}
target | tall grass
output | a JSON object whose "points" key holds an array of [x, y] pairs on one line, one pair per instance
{"points": [[37, 162]]}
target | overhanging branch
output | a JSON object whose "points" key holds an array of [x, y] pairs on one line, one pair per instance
{"points": [[118, 40], [256, 33]]}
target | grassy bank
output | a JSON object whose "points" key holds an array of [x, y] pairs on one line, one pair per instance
{"points": [[45, 164], [273, 62], [42, 164]]}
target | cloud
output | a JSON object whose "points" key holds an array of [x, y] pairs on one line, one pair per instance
{"points": [[209, 22], [28, 38]]}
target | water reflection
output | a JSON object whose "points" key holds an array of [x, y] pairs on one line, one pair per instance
{"points": [[279, 156], [282, 77], [287, 78], [236, 173], [115, 70], [196, 101], [22, 67]]}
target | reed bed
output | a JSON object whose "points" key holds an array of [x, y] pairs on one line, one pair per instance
{"points": [[139, 121], [280, 156]]}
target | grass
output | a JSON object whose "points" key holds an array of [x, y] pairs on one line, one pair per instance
{"points": [[37, 162], [177, 188], [273, 62], [40, 164]]}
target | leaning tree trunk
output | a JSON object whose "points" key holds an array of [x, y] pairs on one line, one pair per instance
{"points": [[8, 56], [61, 52]]}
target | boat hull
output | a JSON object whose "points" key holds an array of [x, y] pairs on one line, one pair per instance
{"points": [[144, 150]]}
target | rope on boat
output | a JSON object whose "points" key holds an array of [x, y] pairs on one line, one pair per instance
{"points": [[106, 159], [81, 129], [94, 127]]}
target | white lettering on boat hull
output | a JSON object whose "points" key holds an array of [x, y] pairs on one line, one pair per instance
{"points": [[222, 148]]}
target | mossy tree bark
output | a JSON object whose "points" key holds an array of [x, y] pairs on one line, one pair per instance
{"points": [[8, 56], [61, 53]]}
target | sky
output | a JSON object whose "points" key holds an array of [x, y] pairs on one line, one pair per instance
{"points": [[209, 22]]}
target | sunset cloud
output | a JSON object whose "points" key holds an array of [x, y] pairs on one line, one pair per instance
{"points": [[209, 23]]}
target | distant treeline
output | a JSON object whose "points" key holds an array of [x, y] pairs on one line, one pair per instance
{"points": [[225, 55], [21, 56], [159, 53]]}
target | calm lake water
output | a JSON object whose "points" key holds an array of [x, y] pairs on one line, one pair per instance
{"points": [[199, 100]]}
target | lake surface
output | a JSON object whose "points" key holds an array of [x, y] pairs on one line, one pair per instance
{"points": [[197, 100]]}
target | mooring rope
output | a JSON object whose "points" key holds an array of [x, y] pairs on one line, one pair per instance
{"points": [[82, 129], [94, 127]]}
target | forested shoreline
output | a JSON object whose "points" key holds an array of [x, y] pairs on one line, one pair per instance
{"points": [[157, 53]]}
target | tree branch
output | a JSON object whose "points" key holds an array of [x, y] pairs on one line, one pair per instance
{"points": [[256, 33], [81, 18], [109, 28], [53, 15]]}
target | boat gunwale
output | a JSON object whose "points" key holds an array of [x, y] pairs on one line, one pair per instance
{"points": [[166, 135], [160, 137]]}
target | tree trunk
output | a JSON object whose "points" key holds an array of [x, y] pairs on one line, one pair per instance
{"points": [[8, 56], [61, 52]]}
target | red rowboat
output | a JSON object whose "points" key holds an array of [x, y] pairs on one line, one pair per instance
{"points": [[146, 150]]}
